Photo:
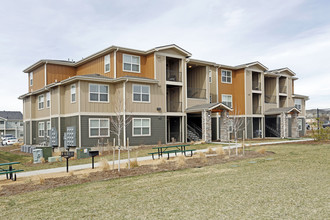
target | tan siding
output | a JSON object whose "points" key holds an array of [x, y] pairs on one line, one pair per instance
{"points": [[270, 105], [26, 108], [42, 113], [161, 77], [171, 52], [54, 100], [38, 79], [249, 96], [57, 73], [192, 102], [289, 86], [67, 106], [146, 66], [213, 85]]}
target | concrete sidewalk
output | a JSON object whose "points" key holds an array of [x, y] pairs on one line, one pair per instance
{"points": [[124, 161]]}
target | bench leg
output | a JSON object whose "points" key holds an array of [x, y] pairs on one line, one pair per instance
{"points": [[153, 156], [168, 156]]}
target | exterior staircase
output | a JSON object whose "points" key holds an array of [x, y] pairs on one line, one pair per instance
{"points": [[273, 131], [194, 133]]}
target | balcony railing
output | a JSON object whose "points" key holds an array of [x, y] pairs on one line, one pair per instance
{"points": [[270, 99], [173, 75], [174, 106], [256, 85], [282, 89], [196, 93], [257, 110]]}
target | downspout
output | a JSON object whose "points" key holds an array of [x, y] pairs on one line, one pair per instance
{"points": [[115, 64], [124, 112]]}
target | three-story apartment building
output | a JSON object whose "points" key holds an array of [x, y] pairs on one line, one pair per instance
{"points": [[163, 94]]}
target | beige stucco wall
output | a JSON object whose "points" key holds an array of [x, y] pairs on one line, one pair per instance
{"points": [[42, 113]]}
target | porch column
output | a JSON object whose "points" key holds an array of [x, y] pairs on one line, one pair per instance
{"points": [[294, 125], [224, 123], [206, 126], [284, 125]]}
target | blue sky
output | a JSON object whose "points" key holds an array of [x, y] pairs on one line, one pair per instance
{"points": [[279, 33]]}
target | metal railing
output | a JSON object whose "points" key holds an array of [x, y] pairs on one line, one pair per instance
{"points": [[173, 75], [256, 85], [195, 129], [174, 106], [270, 99], [196, 93], [257, 110], [282, 89]]}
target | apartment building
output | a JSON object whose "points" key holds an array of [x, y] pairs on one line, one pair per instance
{"points": [[163, 94], [11, 123]]}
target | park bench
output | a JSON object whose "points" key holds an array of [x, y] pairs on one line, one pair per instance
{"points": [[10, 172], [167, 150]]}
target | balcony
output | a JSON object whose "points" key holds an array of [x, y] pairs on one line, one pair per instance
{"points": [[174, 106], [256, 85], [173, 75], [282, 89], [196, 93], [270, 99], [256, 109]]}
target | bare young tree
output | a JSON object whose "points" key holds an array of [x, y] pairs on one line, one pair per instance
{"points": [[118, 123], [237, 125]]}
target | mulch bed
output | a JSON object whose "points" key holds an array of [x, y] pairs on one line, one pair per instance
{"points": [[171, 165]]}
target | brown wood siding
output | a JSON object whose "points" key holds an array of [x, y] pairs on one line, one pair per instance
{"points": [[236, 89], [146, 66], [57, 73], [97, 66], [38, 79]]}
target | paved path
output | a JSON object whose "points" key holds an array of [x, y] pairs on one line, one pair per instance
{"points": [[87, 166]]}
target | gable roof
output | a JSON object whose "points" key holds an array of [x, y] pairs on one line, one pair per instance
{"points": [[208, 107], [11, 115], [170, 46], [281, 70], [277, 111]]}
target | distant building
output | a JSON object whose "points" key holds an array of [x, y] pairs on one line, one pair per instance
{"points": [[11, 122]]}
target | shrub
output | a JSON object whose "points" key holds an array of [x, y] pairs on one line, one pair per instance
{"points": [[180, 161], [220, 151], [202, 157], [104, 165], [42, 160], [41, 180], [134, 163], [71, 173], [210, 150], [321, 134], [261, 150]]}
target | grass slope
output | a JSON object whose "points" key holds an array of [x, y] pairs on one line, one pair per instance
{"points": [[293, 184]]}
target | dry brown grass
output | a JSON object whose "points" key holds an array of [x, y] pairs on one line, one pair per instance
{"points": [[220, 151], [210, 151], [42, 160], [57, 153], [134, 163], [104, 165], [201, 156], [41, 180], [180, 161], [261, 150], [71, 173]]}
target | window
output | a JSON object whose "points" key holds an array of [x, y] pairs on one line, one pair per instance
{"points": [[141, 93], [210, 76], [31, 78], [48, 100], [98, 93], [226, 76], [231, 125], [300, 124], [73, 93], [227, 100], [141, 126], [98, 127], [131, 63], [40, 102], [298, 103], [48, 128], [41, 129], [107, 63]]}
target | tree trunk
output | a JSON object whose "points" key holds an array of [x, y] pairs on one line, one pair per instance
{"points": [[119, 153]]}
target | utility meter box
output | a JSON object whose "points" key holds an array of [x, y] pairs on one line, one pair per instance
{"points": [[71, 136], [83, 152], [46, 152], [53, 137], [37, 155]]}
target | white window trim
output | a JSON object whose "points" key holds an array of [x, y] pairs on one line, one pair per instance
{"points": [[48, 106], [43, 105], [107, 61], [89, 92], [231, 99], [75, 92], [231, 125], [48, 126], [300, 120], [298, 104], [142, 135], [141, 93], [41, 124], [231, 76], [31, 79], [99, 136], [131, 64]]}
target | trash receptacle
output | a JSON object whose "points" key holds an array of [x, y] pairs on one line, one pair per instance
{"points": [[37, 155]]}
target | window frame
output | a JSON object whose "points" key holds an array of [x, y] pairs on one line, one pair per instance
{"points": [[107, 62], [231, 76], [210, 76], [41, 132], [141, 135], [99, 93], [39, 102], [141, 85], [31, 79], [131, 63], [73, 86], [48, 100], [228, 95], [48, 128], [231, 125], [99, 131], [300, 124], [299, 104]]}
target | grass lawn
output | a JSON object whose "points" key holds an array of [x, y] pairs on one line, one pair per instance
{"points": [[291, 184]]}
